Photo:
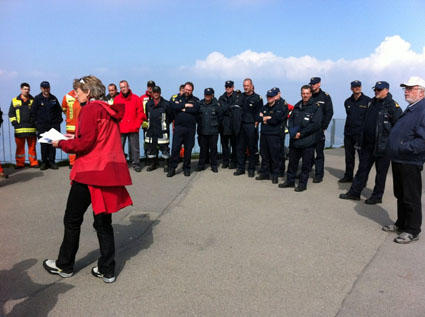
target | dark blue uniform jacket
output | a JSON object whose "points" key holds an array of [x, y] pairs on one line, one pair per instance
{"points": [[407, 138]]}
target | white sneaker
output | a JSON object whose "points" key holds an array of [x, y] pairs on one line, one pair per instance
{"points": [[106, 278], [50, 266]]}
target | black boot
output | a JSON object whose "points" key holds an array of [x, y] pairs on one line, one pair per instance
{"points": [[166, 165], [171, 172], [154, 165]]}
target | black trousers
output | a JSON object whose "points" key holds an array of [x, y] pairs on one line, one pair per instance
{"points": [[295, 155], [228, 147], [246, 138], [366, 161], [407, 181], [319, 160], [350, 154], [78, 201], [208, 148], [282, 155], [185, 136], [270, 150], [48, 153]]}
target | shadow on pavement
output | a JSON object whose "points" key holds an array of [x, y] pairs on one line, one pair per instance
{"points": [[17, 286], [18, 177], [373, 212], [129, 241]]}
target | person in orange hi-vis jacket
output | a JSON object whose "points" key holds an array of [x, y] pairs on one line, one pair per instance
{"points": [[71, 107], [20, 118]]}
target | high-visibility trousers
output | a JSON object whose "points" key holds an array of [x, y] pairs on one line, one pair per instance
{"points": [[71, 157], [20, 151]]}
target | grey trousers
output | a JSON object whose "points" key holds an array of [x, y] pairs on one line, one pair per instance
{"points": [[133, 147]]}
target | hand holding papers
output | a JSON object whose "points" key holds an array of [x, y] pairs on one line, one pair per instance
{"points": [[50, 136]]}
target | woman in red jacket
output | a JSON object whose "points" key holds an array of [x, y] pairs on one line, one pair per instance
{"points": [[98, 177]]}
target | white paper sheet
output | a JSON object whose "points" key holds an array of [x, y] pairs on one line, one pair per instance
{"points": [[51, 135]]}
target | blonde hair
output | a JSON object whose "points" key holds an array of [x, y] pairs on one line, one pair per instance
{"points": [[92, 84]]}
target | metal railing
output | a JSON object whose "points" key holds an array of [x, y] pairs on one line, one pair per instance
{"points": [[334, 138]]}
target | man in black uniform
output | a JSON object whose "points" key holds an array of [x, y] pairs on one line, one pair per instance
{"points": [[279, 99], [304, 125], [208, 123], [157, 136], [355, 107], [325, 103], [273, 115], [185, 109], [46, 113], [228, 100], [381, 115], [251, 105]]}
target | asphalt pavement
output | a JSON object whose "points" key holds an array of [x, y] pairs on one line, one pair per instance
{"points": [[212, 245]]}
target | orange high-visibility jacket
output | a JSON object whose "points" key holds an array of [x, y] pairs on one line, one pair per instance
{"points": [[71, 107]]}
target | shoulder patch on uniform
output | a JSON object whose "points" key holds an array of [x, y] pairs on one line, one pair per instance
{"points": [[326, 94], [397, 105]]}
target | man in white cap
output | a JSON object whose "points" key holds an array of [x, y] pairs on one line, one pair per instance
{"points": [[406, 148]]}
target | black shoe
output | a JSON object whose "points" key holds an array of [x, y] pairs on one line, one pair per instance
{"points": [[152, 167], [171, 172], [275, 179], [225, 165], [43, 166], [232, 166], [317, 180], [262, 177], [137, 169], [251, 173], [166, 169], [50, 266], [200, 168], [373, 201], [349, 196], [214, 169], [238, 172], [286, 185], [300, 188], [53, 166], [186, 173], [107, 278], [345, 179]]}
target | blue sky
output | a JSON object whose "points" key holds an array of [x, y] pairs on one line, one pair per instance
{"points": [[277, 43]]}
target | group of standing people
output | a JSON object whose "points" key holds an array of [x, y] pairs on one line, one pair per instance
{"points": [[97, 131], [382, 134], [241, 119]]}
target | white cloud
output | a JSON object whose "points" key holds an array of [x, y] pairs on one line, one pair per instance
{"points": [[393, 56], [6, 74]]}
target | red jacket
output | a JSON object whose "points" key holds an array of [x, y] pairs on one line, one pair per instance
{"points": [[133, 115], [100, 158]]}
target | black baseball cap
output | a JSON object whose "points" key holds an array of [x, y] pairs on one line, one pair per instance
{"points": [[272, 92], [208, 91], [315, 80], [356, 83], [45, 84], [150, 83], [381, 85], [229, 84], [156, 89]]}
